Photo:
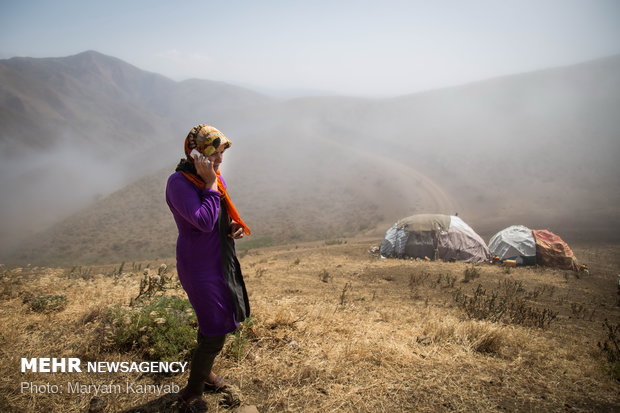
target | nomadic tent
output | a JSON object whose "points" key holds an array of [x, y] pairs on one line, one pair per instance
{"points": [[434, 236], [530, 247], [514, 243], [552, 251]]}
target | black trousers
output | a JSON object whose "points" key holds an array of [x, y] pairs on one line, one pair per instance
{"points": [[202, 361]]}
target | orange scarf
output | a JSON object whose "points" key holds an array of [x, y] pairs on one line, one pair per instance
{"points": [[230, 207]]}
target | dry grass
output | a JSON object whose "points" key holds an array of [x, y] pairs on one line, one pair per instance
{"points": [[335, 329]]}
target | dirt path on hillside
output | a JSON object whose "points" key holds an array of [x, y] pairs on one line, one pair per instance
{"points": [[444, 203], [402, 176]]}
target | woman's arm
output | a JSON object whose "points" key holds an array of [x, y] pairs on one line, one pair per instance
{"points": [[200, 208]]}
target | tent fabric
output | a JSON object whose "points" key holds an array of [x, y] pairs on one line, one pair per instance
{"points": [[394, 242], [529, 247], [552, 251], [461, 243], [426, 222], [434, 236], [515, 242]]}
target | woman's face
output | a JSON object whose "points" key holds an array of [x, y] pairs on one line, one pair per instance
{"points": [[217, 157]]}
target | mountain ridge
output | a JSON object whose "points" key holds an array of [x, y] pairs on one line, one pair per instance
{"points": [[514, 149], [110, 88]]}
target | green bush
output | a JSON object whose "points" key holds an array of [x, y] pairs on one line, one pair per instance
{"points": [[164, 329], [48, 303], [239, 341]]}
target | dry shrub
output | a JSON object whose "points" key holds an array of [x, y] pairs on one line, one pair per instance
{"points": [[11, 285], [611, 348], [80, 272], [471, 273], [508, 305], [283, 318], [445, 281], [151, 284], [440, 329], [21, 282], [479, 336], [325, 276], [418, 279]]}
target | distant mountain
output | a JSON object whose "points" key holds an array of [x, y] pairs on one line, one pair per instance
{"points": [[90, 95], [538, 149], [73, 129]]}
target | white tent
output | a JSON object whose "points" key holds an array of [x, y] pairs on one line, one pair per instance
{"points": [[515, 242], [533, 246]]}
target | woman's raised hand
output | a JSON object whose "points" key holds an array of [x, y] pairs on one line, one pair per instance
{"points": [[204, 169]]}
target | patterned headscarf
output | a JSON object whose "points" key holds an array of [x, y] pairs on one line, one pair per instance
{"points": [[205, 139]]}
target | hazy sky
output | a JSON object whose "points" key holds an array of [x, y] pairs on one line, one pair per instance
{"points": [[375, 48]]}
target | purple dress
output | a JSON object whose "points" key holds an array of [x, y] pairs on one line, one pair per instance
{"points": [[197, 214]]}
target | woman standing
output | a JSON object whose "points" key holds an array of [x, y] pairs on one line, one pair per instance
{"points": [[207, 265]]}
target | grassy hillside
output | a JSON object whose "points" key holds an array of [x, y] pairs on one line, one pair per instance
{"points": [[336, 329], [74, 127], [135, 223], [537, 149]]}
